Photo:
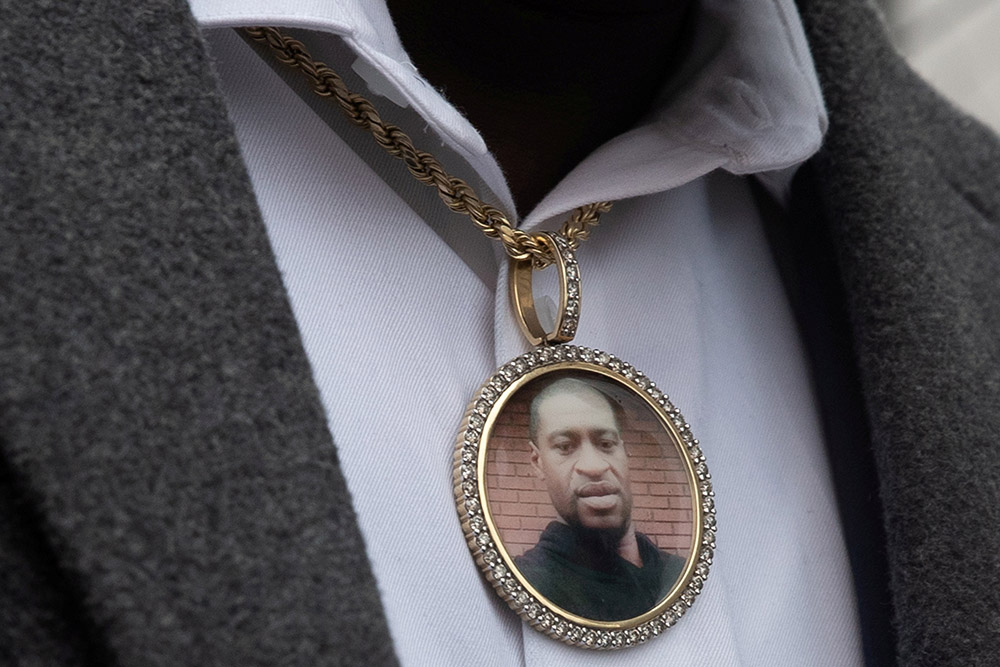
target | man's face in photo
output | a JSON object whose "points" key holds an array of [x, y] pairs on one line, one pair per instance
{"points": [[579, 454]]}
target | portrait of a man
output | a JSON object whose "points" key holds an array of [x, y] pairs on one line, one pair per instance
{"points": [[591, 561]]}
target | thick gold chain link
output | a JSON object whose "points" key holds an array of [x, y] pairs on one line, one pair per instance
{"points": [[454, 192]]}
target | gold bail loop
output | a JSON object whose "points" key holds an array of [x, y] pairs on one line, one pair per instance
{"points": [[568, 315]]}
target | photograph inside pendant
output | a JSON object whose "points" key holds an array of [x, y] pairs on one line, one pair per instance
{"points": [[590, 495]]}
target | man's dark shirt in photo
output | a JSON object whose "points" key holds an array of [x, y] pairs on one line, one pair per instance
{"points": [[588, 580]]}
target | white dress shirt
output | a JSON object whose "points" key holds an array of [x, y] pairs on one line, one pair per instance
{"points": [[404, 311]]}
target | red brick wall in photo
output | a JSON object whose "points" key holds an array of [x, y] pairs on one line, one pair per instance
{"points": [[520, 504]]}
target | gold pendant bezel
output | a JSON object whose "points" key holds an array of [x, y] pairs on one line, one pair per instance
{"points": [[479, 522]]}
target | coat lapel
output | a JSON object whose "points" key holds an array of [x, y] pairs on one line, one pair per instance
{"points": [[156, 405], [912, 198]]}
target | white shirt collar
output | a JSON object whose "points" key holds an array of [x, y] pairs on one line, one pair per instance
{"points": [[750, 102]]}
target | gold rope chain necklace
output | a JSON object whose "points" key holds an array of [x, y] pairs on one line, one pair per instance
{"points": [[457, 195], [543, 459]]}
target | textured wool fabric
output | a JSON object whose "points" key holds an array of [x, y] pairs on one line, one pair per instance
{"points": [[170, 492], [912, 191]]}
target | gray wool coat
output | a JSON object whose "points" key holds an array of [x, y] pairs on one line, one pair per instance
{"points": [[169, 493]]}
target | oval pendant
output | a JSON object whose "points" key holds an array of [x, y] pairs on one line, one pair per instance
{"points": [[584, 497]]}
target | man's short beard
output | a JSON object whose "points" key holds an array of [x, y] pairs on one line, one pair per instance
{"points": [[603, 539]]}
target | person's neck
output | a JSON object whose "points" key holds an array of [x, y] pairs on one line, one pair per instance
{"points": [[545, 82], [628, 547]]}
